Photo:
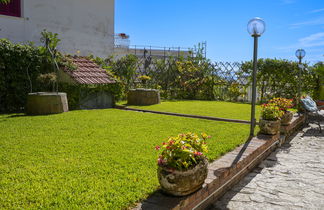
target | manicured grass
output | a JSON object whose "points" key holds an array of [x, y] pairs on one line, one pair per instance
{"points": [[92, 159], [229, 110]]}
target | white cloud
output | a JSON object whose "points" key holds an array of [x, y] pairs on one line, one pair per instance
{"points": [[317, 10], [318, 21], [314, 42]]}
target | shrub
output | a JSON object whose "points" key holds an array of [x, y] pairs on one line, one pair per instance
{"points": [[26, 68], [20, 66]]}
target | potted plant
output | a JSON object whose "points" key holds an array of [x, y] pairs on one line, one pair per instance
{"points": [[144, 79], [182, 165], [284, 104], [270, 119]]}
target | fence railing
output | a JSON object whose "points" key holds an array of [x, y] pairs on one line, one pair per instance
{"points": [[225, 79]]}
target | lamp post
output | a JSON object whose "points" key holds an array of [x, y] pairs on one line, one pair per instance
{"points": [[300, 53], [256, 28]]}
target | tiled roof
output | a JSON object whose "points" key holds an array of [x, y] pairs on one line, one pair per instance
{"points": [[88, 72]]}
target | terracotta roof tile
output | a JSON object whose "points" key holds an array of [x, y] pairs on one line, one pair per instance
{"points": [[88, 72]]}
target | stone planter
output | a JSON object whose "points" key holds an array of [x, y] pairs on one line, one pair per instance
{"points": [[46, 103], [143, 96], [286, 118], [269, 127], [180, 183]]}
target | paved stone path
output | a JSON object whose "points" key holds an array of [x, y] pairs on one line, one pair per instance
{"points": [[292, 177]]}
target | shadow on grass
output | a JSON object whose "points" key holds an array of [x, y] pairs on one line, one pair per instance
{"points": [[18, 115], [29, 115]]}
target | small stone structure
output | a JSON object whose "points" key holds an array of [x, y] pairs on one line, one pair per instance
{"points": [[92, 76], [143, 96], [46, 103]]}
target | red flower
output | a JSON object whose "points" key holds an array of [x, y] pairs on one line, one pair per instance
{"points": [[161, 161], [198, 153], [157, 147]]}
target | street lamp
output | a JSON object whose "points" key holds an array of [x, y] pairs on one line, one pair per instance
{"points": [[300, 53], [256, 28]]}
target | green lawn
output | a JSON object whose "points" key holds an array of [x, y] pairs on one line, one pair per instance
{"points": [[229, 110], [93, 159]]}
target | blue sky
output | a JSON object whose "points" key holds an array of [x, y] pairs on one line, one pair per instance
{"points": [[290, 24]]}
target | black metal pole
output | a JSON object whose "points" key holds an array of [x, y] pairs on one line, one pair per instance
{"points": [[255, 64], [299, 78]]}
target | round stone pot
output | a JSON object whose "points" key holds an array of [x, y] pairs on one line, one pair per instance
{"points": [[286, 118], [180, 183], [269, 127], [41, 103], [141, 96]]}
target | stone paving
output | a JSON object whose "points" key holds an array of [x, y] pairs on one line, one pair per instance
{"points": [[292, 177]]}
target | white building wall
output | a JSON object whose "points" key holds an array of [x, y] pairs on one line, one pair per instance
{"points": [[87, 26]]}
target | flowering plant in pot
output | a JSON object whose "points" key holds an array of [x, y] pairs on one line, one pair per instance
{"points": [[270, 119], [144, 79], [182, 165], [284, 104]]}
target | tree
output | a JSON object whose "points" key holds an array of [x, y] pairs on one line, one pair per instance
{"points": [[318, 69], [279, 78]]}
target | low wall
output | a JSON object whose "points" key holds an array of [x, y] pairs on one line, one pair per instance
{"points": [[225, 171]]}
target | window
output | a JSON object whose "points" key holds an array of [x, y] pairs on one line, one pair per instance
{"points": [[11, 9]]}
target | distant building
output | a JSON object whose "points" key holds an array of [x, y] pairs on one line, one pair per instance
{"points": [[123, 47], [82, 25], [149, 51]]}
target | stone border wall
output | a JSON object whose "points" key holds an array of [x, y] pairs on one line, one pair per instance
{"points": [[225, 172], [183, 115]]}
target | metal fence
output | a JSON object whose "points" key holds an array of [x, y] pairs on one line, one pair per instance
{"points": [[228, 82]]}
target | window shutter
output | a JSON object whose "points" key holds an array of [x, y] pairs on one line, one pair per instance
{"points": [[11, 9]]}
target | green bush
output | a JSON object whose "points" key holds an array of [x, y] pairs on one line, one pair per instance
{"points": [[20, 66], [26, 68], [279, 78]]}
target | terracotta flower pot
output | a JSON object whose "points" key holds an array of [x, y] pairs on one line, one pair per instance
{"points": [[180, 183], [286, 118], [269, 127]]}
